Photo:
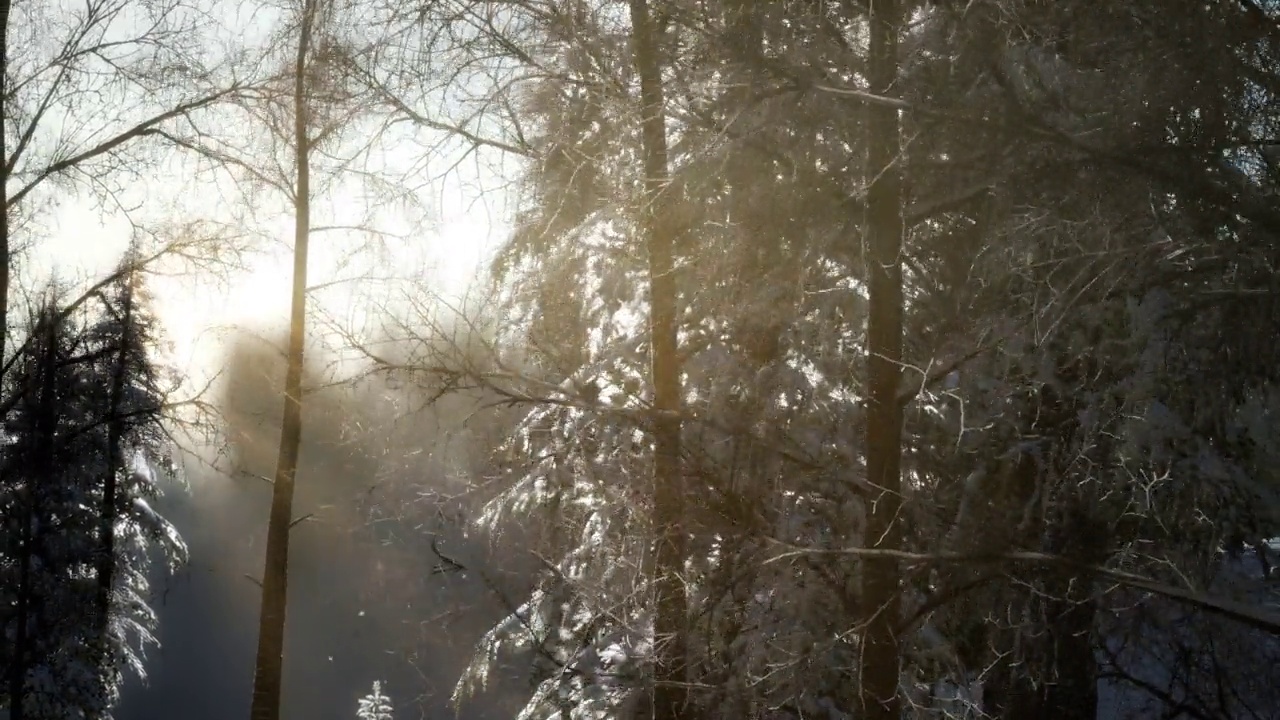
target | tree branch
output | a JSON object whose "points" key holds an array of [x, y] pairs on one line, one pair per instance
{"points": [[1248, 615]]}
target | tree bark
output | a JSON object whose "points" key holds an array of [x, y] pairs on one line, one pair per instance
{"points": [[880, 661], [269, 667], [670, 695], [4, 182]]}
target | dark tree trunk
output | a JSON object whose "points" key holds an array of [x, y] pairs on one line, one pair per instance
{"points": [[106, 570], [670, 697], [1062, 679], [46, 425], [1071, 688], [1072, 692], [4, 181], [880, 661], [269, 667]]}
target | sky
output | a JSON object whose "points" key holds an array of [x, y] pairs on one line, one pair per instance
{"points": [[440, 243], [442, 234], [207, 611], [449, 252]]}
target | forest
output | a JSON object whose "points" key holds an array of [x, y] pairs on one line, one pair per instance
{"points": [[819, 359]]}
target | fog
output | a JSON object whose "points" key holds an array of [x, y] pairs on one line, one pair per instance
{"points": [[367, 601]]}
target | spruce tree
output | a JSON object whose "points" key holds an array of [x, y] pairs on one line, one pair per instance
{"points": [[85, 453]]}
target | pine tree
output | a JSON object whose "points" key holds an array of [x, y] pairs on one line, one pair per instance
{"points": [[375, 705], [1066, 289], [86, 450]]}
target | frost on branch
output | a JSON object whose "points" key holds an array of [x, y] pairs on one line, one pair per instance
{"points": [[375, 705]]}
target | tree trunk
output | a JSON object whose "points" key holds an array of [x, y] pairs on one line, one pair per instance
{"points": [[1071, 692], [106, 570], [1061, 679], [4, 183], [46, 426], [879, 666], [268, 670], [107, 513], [670, 695]]}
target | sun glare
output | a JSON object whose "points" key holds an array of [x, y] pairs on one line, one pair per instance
{"points": [[198, 312]]}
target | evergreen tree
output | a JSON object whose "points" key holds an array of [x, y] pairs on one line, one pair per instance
{"points": [[375, 705], [85, 456], [1085, 220]]}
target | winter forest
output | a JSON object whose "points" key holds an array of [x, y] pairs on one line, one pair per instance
{"points": [[640, 359]]}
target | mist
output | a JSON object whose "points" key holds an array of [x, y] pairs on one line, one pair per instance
{"points": [[382, 473]]}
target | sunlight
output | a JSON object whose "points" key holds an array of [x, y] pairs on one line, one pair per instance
{"points": [[198, 312], [878, 359], [81, 244]]}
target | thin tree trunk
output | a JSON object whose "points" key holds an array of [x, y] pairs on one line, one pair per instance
{"points": [[109, 510], [670, 696], [45, 427], [4, 182], [880, 661], [268, 671]]}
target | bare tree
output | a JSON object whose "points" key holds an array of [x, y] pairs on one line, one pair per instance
{"points": [[268, 668], [84, 86], [5, 6]]}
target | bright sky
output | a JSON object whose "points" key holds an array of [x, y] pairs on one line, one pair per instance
{"points": [[437, 248], [448, 253]]}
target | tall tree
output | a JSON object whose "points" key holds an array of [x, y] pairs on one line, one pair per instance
{"points": [[670, 696], [29, 505], [135, 397], [880, 664], [88, 446], [269, 665], [5, 6]]}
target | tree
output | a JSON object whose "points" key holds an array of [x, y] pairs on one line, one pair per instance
{"points": [[306, 116], [880, 663], [85, 88], [268, 668], [570, 265], [1047, 273], [138, 426], [86, 447], [5, 250], [671, 605], [375, 705]]}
